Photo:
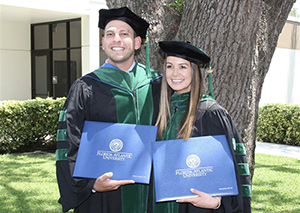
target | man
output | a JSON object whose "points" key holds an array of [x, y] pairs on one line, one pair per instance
{"points": [[120, 91]]}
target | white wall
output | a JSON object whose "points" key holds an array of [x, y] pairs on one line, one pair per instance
{"points": [[282, 80], [15, 66], [78, 6], [16, 16], [90, 43], [90, 35]]}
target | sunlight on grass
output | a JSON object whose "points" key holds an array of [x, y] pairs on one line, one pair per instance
{"points": [[276, 185], [28, 184]]}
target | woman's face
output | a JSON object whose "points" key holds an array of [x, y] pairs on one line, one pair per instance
{"points": [[178, 74]]}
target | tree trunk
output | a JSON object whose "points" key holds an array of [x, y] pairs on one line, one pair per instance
{"points": [[239, 36], [271, 22]]}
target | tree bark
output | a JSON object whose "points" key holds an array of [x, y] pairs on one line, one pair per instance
{"points": [[271, 22], [239, 36]]}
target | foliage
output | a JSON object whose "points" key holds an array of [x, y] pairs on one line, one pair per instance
{"points": [[276, 185], [294, 13], [177, 5], [28, 125], [279, 123]]}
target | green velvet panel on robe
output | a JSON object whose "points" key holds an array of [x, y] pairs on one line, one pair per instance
{"points": [[214, 121], [178, 104], [131, 89], [178, 107]]}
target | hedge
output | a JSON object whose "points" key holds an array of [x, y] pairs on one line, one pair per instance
{"points": [[279, 123], [32, 125], [29, 125]]}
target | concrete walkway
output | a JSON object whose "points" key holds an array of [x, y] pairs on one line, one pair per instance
{"points": [[278, 149]]}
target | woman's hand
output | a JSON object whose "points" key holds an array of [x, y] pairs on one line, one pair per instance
{"points": [[104, 183], [203, 200]]}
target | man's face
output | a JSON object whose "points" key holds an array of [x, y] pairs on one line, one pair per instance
{"points": [[119, 43]]}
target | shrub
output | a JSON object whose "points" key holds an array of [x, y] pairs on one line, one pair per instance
{"points": [[29, 125], [279, 123]]}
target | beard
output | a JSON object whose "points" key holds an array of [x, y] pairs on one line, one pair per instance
{"points": [[120, 58]]}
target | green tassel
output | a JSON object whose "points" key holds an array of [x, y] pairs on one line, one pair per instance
{"points": [[149, 74], [210, 84]]}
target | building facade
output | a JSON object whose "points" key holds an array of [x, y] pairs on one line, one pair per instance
{"points": [[282, 82], [46, 45]]}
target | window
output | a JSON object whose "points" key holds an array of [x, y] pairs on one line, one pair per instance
{"points": [[56, 57], [289, 37]]}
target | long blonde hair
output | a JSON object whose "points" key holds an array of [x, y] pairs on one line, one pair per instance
{"points": [[187, 122]]}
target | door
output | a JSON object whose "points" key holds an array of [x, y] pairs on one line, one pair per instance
{"points": [[41, 86], [60, 79]]}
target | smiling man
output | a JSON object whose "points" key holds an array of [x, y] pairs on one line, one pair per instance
{"points": [[120, 44], [120, 91]]}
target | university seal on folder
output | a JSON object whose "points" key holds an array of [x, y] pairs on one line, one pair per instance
{"points": [[203, 163], [124, 149]]}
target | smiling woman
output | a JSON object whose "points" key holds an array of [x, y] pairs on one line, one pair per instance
{"points": [[179, 74], [185, 112]]}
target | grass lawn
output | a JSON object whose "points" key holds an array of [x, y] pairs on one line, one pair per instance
{"points": [[28, 184], [276, 185]]}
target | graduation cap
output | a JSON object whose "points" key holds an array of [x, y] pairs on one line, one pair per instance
{"points": [[138, 24], [185, 50], [191, 53]]}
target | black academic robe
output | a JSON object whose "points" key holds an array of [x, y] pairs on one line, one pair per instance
{"points": [[107, 95], [212, 119]]}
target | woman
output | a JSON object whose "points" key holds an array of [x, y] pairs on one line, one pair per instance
{"points": [[185, 112]]}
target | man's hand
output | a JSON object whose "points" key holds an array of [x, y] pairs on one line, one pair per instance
{"points": [[203, 200], [104, 183]]}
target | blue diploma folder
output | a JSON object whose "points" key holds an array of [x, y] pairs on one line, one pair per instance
{"points": [[124, 149], [203, 163]]}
